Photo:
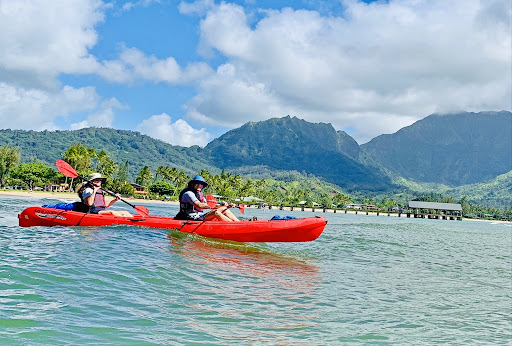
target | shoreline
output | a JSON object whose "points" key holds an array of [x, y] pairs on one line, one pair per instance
{"points": [[72, 195]]}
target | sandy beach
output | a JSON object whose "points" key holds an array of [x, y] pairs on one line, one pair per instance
{"points": [[70, 195]]}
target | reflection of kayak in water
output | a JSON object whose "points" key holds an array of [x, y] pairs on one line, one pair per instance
{"points": [[292, 230], [247, 260]]}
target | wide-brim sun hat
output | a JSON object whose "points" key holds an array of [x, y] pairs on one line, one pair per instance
{"points": [[96, 176], [199, 180]]}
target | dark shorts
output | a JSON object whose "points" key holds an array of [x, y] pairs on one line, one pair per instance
{"points": [[193, 216], [196, 216], [96, 210]]}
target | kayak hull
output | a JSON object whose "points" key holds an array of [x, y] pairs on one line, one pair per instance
{"points": [[293, 230]]}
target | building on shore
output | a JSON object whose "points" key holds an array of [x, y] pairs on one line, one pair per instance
{"points": [[139, 189]]}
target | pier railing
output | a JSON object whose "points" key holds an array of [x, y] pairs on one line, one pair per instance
{"points": [[405, 213]]}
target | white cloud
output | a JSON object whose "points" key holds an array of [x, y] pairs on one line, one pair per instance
{"points": [[375, 68], [41, 41], [143, 3], [49, 38], [101, 117], [45, 38], [241, 98], [199, 7], [378, 67], [177, 133], [33, 109], [134, 65]]}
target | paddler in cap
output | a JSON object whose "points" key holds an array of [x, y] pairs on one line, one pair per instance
{"points": [[193, 203]]}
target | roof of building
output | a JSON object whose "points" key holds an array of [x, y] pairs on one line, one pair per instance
{"points": [[137, 186], [435, 205], [251, 199]]}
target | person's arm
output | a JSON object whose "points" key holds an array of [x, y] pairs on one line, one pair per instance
{"points": [[89, 194], [222, 203], [90, 199], [118, 196], [201, 205], [189, 197]]}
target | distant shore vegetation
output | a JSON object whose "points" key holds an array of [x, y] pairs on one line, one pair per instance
{"points": [[166, 182]]}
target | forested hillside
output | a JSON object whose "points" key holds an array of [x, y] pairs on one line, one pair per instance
{"points": [[470, 152], [122, 146], [494, 193], [290, 143]]}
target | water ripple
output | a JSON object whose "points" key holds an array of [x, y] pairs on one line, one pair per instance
{"points": [[367, 279]]}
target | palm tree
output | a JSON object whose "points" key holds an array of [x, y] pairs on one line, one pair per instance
{"points": [[206, 175], [105, 165], [181, 179], [341, 199], [215, 184], [80, 158], [237, 183], [248, 188], [162, 172], [144, 176]]}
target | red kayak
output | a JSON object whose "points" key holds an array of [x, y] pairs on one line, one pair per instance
{"points": [[261, 231]]}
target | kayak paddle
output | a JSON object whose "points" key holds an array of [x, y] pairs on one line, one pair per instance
{"points": [[66, 169], [211, 201]]}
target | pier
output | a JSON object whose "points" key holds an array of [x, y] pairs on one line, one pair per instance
{"points": [[433, 210], [417, 209]]}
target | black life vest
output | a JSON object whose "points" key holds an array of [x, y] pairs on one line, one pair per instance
{"points": [[187, 208]]}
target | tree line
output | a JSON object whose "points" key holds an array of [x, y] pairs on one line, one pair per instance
{"points": [[169, 181], [37, 175], [164, 181]]}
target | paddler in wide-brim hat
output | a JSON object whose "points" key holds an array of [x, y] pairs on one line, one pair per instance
{"points": [[96, 176], [92, 197]]}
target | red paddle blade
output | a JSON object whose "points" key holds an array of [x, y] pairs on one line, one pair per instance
{"points": [[143, 211], [66, 169], [242, 208], [211, 201]]}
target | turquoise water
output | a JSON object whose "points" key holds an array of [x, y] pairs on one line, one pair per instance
{"points": [[366, 280]]}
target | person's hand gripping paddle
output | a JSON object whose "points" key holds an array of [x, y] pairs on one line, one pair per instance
{"points": [[212, 202]]}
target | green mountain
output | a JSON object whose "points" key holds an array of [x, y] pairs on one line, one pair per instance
{"points": [[494, 193], [452, 149], [139, 150], [470, 151], [293, 144]]}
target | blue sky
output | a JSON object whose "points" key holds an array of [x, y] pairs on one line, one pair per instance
{"points": [[188, 71]]}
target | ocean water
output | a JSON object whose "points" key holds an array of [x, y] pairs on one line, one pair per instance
{"points": [[366, 280]]}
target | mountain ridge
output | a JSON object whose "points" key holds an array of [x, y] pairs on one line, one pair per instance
{"points": [[454, 149], [290, 144]]}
